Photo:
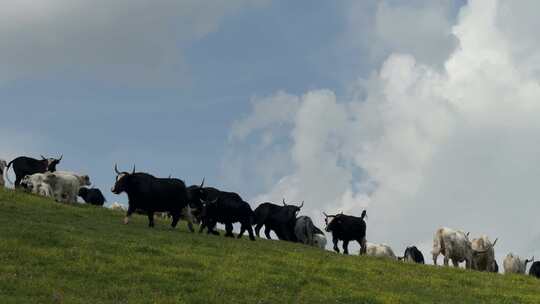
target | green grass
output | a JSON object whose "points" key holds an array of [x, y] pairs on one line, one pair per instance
{"points": [[55, 253]]}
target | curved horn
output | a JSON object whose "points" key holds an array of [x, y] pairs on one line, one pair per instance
{"points": [[301, 205], [467, 234], [493, 245], [284, 204], [133, 171], [42, 157], [324, 213], [61, 157], [116, 169], [202, 184]]}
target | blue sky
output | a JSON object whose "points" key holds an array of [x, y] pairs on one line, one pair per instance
{"points": [[407, 108]]}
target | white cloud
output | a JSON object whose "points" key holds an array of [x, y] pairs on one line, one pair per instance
{"points": [[420, 28], [426, 146], [124, 41]]}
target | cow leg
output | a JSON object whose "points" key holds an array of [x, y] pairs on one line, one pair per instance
{"points": [[446, 261], [363, 247], [267, 232], [202, 226], [335, 241], [345, 247], [190, 226], [175, 219], [242, 230], [456, 263], [228, 230], [250, 232], [435, 256], [128, 214], [258, 229], [150, 219], [211, 226]]}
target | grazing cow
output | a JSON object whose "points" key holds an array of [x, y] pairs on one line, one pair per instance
{"points": [[152, 194], [380, 251], [319, 240], [412, 255], [483, 262], [280, 219], [304, 230], [514, 264], [347, 228], [36, 184], [3, 166], [454, 245], [227, 208], [92, 196], [66, 185], [535, 270], [23, 166]]}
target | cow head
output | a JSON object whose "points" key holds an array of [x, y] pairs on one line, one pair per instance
{"points": [[206, 206], [84, 180], [331, 222], [122, 179], [196, 197], [291, 211], [51, 162], [83, 192]]}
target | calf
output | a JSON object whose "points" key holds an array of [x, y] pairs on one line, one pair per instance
{"points": [[66, 185], [347, 228], [483, 262], [535, 270], [380, 251], [412, 255], [514, 264], [92, 196], [23, 166], [280, 219], [36, 184]]}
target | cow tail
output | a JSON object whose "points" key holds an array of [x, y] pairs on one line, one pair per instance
{"points": [[6, 172], [364, 214]]}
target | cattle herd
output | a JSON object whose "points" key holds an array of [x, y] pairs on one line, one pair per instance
{"points": [[207, 206]]}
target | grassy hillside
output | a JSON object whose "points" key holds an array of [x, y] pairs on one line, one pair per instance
{"points": [[54, 253]]}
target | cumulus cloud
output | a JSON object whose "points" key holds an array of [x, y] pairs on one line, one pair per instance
{"points": [[422, 146], [125, 41], [420, 28]]}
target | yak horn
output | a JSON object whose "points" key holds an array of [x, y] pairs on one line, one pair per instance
{"points": [[284, 204], [301, 205], [133, 172], [116, 169], [61, 157], [202, 184]]}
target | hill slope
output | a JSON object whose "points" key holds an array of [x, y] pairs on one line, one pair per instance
{"points": [[54, 253]]}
